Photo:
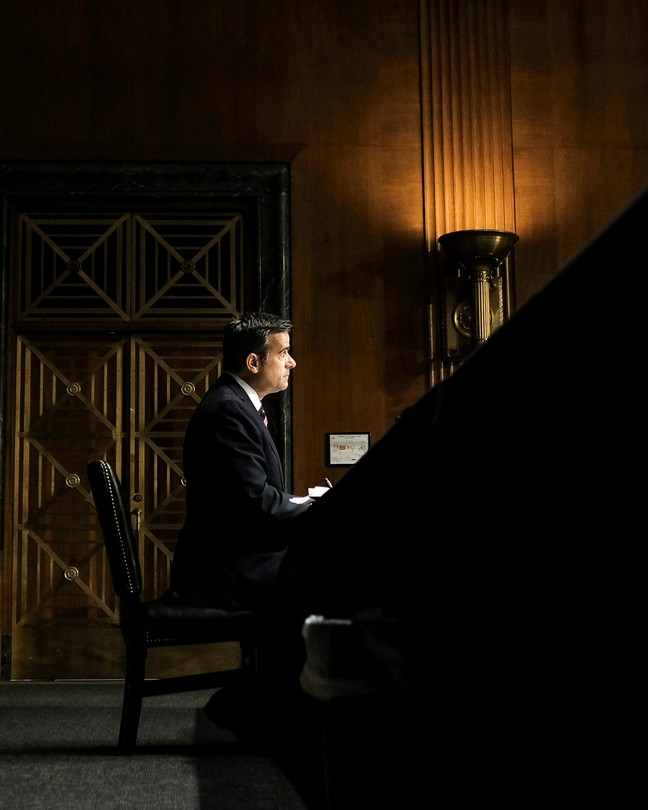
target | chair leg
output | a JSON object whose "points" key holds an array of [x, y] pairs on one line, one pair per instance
{"points": [[132, 701]]}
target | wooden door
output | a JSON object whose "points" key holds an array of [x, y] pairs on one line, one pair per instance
{"points": [[110, 354]]}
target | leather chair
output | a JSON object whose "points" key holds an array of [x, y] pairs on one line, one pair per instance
{"points": [[162, 622]]}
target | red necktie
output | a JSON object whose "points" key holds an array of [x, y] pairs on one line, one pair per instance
{"points": [[264, 416]]}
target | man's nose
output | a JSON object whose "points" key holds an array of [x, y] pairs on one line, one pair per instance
{"points": [[291, 361]]}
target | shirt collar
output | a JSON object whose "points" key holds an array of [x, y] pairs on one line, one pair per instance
{"points": [[254, 397]]}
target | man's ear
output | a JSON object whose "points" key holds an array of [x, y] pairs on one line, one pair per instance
{"points": [[252, 362]]}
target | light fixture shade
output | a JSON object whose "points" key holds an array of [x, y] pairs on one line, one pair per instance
{"points": [[466, 247]]}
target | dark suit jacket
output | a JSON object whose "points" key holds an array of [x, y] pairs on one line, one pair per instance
{"points": [[233, 539]]}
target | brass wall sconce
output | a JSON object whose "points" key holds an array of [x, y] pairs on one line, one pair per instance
{"points": [[473, 288]]}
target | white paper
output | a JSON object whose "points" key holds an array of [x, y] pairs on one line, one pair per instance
{"points": [[317, 492]]}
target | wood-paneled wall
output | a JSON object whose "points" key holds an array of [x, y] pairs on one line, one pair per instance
{"points": [[334, 87], [579, 81]]}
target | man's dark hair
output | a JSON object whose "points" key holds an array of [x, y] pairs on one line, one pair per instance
{"points": [[247, 334]]}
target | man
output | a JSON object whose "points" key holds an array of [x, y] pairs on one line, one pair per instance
{"points": [[232, 543], [230, 550]]}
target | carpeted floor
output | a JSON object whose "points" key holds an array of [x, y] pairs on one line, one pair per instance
{"points": [[58, 752]]}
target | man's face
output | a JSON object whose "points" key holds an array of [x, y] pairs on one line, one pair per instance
{"points": [[274, 375]]}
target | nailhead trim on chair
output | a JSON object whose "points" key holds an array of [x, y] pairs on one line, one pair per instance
{"points": [[104, 468]]}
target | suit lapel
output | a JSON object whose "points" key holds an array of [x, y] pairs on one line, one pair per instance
{"points": [[268, 442]]}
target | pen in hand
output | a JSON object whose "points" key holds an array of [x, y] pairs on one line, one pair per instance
{"points": [[328, 483]]}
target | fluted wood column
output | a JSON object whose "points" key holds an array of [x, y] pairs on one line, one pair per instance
{"points": [[467, 145]]}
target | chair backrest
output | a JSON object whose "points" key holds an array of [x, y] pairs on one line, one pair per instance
{"points": [[117, 529]]}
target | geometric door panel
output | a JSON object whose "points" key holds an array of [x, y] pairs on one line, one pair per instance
{"points": [[188, 266], [69, 407], [131, 267], [170, 375]]}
